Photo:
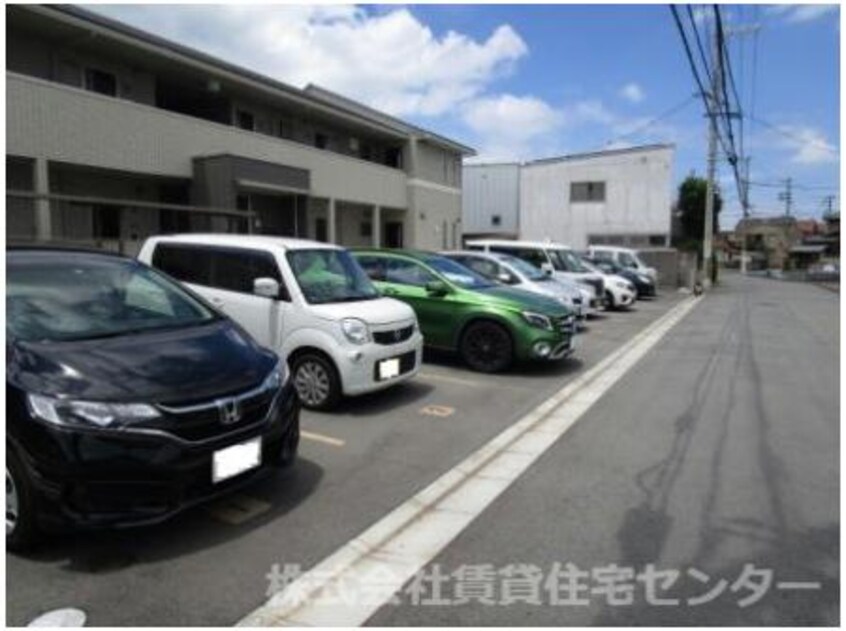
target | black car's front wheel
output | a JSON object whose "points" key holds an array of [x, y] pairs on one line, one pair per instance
{"points": [[487, 347], [316, 381], [21, 530]]}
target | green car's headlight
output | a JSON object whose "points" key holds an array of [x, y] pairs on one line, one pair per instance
{"points": [[538, 320]]}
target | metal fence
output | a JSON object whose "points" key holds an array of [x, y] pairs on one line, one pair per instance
{"points": [[116, 225]]}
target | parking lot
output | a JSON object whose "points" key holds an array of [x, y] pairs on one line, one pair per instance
{"points": [[209, 565]]}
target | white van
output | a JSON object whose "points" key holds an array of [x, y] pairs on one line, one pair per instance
{"points": [[554, 258], [624, 257], [310, 302]]}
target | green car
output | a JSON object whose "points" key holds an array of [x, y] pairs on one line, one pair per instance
{"points": [[489, 325]]}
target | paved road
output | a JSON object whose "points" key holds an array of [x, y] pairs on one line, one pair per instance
{"points": [[720, 449], [209, 567]]}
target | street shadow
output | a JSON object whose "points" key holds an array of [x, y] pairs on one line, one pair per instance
{"points": [[194, 530]]}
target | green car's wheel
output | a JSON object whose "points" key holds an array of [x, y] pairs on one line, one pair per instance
{"points": [[487, 347]]}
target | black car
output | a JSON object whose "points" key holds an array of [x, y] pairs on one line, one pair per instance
{"points": [[643, 284], [128, 398]]}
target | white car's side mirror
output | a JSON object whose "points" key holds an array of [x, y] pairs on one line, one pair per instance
{"points": [[267, 287], [547, 268]]}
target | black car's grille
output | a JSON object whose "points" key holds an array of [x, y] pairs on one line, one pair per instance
{"points": [[214, 418], [393, 337]]}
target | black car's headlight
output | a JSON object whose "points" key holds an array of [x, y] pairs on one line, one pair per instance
{"points": [[538, 320], [277, 377], [68, 412]]}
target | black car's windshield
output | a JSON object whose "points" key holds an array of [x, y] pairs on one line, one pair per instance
{"points": [[457, 273], [566, 261], [328, 275], [52, 298], [525, 268]]}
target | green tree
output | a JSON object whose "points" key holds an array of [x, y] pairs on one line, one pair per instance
{"points": [[691, 207]]}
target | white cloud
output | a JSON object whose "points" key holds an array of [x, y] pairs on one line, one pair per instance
{"points": [[388, 59], [512, 127], [810, 146], [632, 92], [798, 13]]}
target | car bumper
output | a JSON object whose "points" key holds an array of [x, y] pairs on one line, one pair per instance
{"points": [[546, 346], [646, 291], [98, 478], [359, 368]]}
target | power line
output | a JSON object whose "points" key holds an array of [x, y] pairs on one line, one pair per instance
{"points": [[789, 134], [664, 115]]}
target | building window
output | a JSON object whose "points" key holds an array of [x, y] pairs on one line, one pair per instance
{"points": [[393, 157], [320, 140], [657, 239], [106, 221], [100, 82], [286, 129], [366, 229], [587, 192], [496, 220], [245, 120], [355, 145], [321, 229]]}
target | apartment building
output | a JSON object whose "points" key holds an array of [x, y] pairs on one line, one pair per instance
{"points": [[114, 134], [613, 197]]}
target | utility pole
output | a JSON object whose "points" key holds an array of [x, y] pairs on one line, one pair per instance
{"points": [[787, 196], [745, 203], [707, 238], [828, 200]]}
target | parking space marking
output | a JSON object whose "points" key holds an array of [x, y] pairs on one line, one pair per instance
{"points": [[441, 411], [465, 382], [322, 438], [401, 543], [236, 509]]}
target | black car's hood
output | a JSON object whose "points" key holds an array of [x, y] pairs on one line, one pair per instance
{"points": [[174, 366]]}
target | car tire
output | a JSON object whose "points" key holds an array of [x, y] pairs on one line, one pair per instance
{"points": [[609, 300], [316, 381], [21, 528], [288, 451], [487, 347]]}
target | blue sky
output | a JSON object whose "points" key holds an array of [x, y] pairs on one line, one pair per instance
{"points": [[522, 82]]}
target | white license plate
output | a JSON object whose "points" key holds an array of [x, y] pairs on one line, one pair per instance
{"points": [[389, 368], [229, 462]]}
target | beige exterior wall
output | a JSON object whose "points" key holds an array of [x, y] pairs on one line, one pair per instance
{"points": [[65, 124]]}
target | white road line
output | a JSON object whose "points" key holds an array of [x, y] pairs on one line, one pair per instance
{"points": [[322, 438], [406, 539]]}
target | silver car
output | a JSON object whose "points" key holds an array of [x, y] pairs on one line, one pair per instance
{"points": [[514, 272]]}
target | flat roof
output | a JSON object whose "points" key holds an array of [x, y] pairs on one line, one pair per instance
{"points": [[602, 153], [315, 95]]}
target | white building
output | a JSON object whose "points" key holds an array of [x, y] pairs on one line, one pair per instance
{"points": [[619, 197], [490, 204]]}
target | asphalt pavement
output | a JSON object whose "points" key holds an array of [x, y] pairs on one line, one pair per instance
{"points": [[713, 462], [720, 447]]}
